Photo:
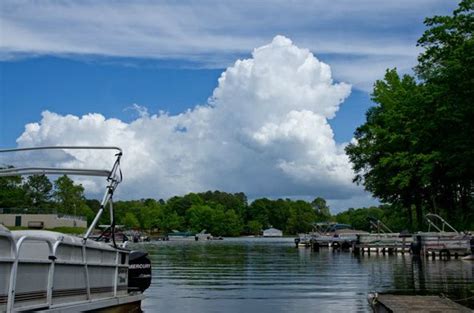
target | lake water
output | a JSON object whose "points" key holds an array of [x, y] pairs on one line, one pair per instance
{"points": [[271, 275]]}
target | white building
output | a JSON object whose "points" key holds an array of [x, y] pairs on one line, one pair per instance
{"points": [[40, 221], [272, 232]]}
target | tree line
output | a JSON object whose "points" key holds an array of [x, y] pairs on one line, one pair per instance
{"points": [[221, 213]]}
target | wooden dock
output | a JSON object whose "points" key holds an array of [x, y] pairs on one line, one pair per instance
{"points": [[382, 303]]}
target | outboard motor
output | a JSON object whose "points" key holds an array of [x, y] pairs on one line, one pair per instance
{"points": [[139, 271]]}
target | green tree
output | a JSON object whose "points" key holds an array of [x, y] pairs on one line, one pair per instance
{"points": [[38, 190], [389, 156], [416, 148], [12, 195], [232, 223], [171, 221], [254, 227], [278, 213], [259, 211], [69, 197], [447, 68], [181, 204], [302, 217], [201, 217], [359, 218], [321, 208], [130, 220], [236, 201]]}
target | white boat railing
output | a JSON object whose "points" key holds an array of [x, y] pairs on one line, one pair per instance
{"points": [[94, 259]]}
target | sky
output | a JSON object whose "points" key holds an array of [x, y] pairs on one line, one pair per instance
{"points": [[253, 96]]}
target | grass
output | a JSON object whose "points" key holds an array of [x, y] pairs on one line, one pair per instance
{"points": [[17, 228], [69, 230], [65, 230]]}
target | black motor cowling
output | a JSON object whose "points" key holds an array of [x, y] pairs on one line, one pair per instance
{"points": [[139, 271]]}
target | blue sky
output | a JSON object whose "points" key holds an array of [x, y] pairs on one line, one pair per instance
{"points": [[69, 86], [88, 63]]}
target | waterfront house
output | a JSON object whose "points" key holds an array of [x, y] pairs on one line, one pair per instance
{"points": [[42, 221]]}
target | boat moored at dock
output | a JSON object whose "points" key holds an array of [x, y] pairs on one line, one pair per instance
{"points": [[444, 241], [329, 234]]}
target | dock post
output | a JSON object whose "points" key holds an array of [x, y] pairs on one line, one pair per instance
{"points": [[315, 246], [355, 249]]}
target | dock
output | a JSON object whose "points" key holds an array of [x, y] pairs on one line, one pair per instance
{"points": [[444, 242], [382, 303]]}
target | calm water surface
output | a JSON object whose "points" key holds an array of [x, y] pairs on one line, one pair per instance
{"points": [[271, 275]]}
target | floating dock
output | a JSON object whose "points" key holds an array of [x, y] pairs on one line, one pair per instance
{"points": [[445, 242], [382, 303]]}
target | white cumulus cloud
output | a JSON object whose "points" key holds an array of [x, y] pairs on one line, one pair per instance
{"points": [[264, 131]]}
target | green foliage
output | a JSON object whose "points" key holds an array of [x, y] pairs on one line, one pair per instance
{"points": [[38, 190], [220, 213], [359, 218], [11, 192], [416, 148], [171, 221], [302, 217], [388, 155], [321, 208], [215, 220], [254, 227], [69, 230], [233, 223], [69, 197], [130, 220], [200, 217], [259, 210]]}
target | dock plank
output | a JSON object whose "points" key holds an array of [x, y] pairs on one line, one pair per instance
{"points": [[422, 304]]}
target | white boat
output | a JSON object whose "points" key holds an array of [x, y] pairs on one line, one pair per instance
{"points": [[176, 235], [201, 236], [53, 272], [384, 236], [329, 233], [445, 238]]}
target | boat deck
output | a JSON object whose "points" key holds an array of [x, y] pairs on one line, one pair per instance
{"points": [[127, 303]]}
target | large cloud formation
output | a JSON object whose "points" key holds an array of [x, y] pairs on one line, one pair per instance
{"points": [[370, 34], [264, 131]]}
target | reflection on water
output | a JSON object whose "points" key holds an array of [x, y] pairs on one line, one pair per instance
{"points": [[271, 275]]}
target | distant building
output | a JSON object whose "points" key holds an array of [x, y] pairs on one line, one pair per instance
{"points": [[40, 221], [272, 232]]}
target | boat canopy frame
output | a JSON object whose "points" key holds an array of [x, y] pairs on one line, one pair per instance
{"points": [[432, 218], [379, 226], [114, 177]]}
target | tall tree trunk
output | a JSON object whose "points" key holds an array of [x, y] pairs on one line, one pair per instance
{"points": [[406, 204], [419, 210]]}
